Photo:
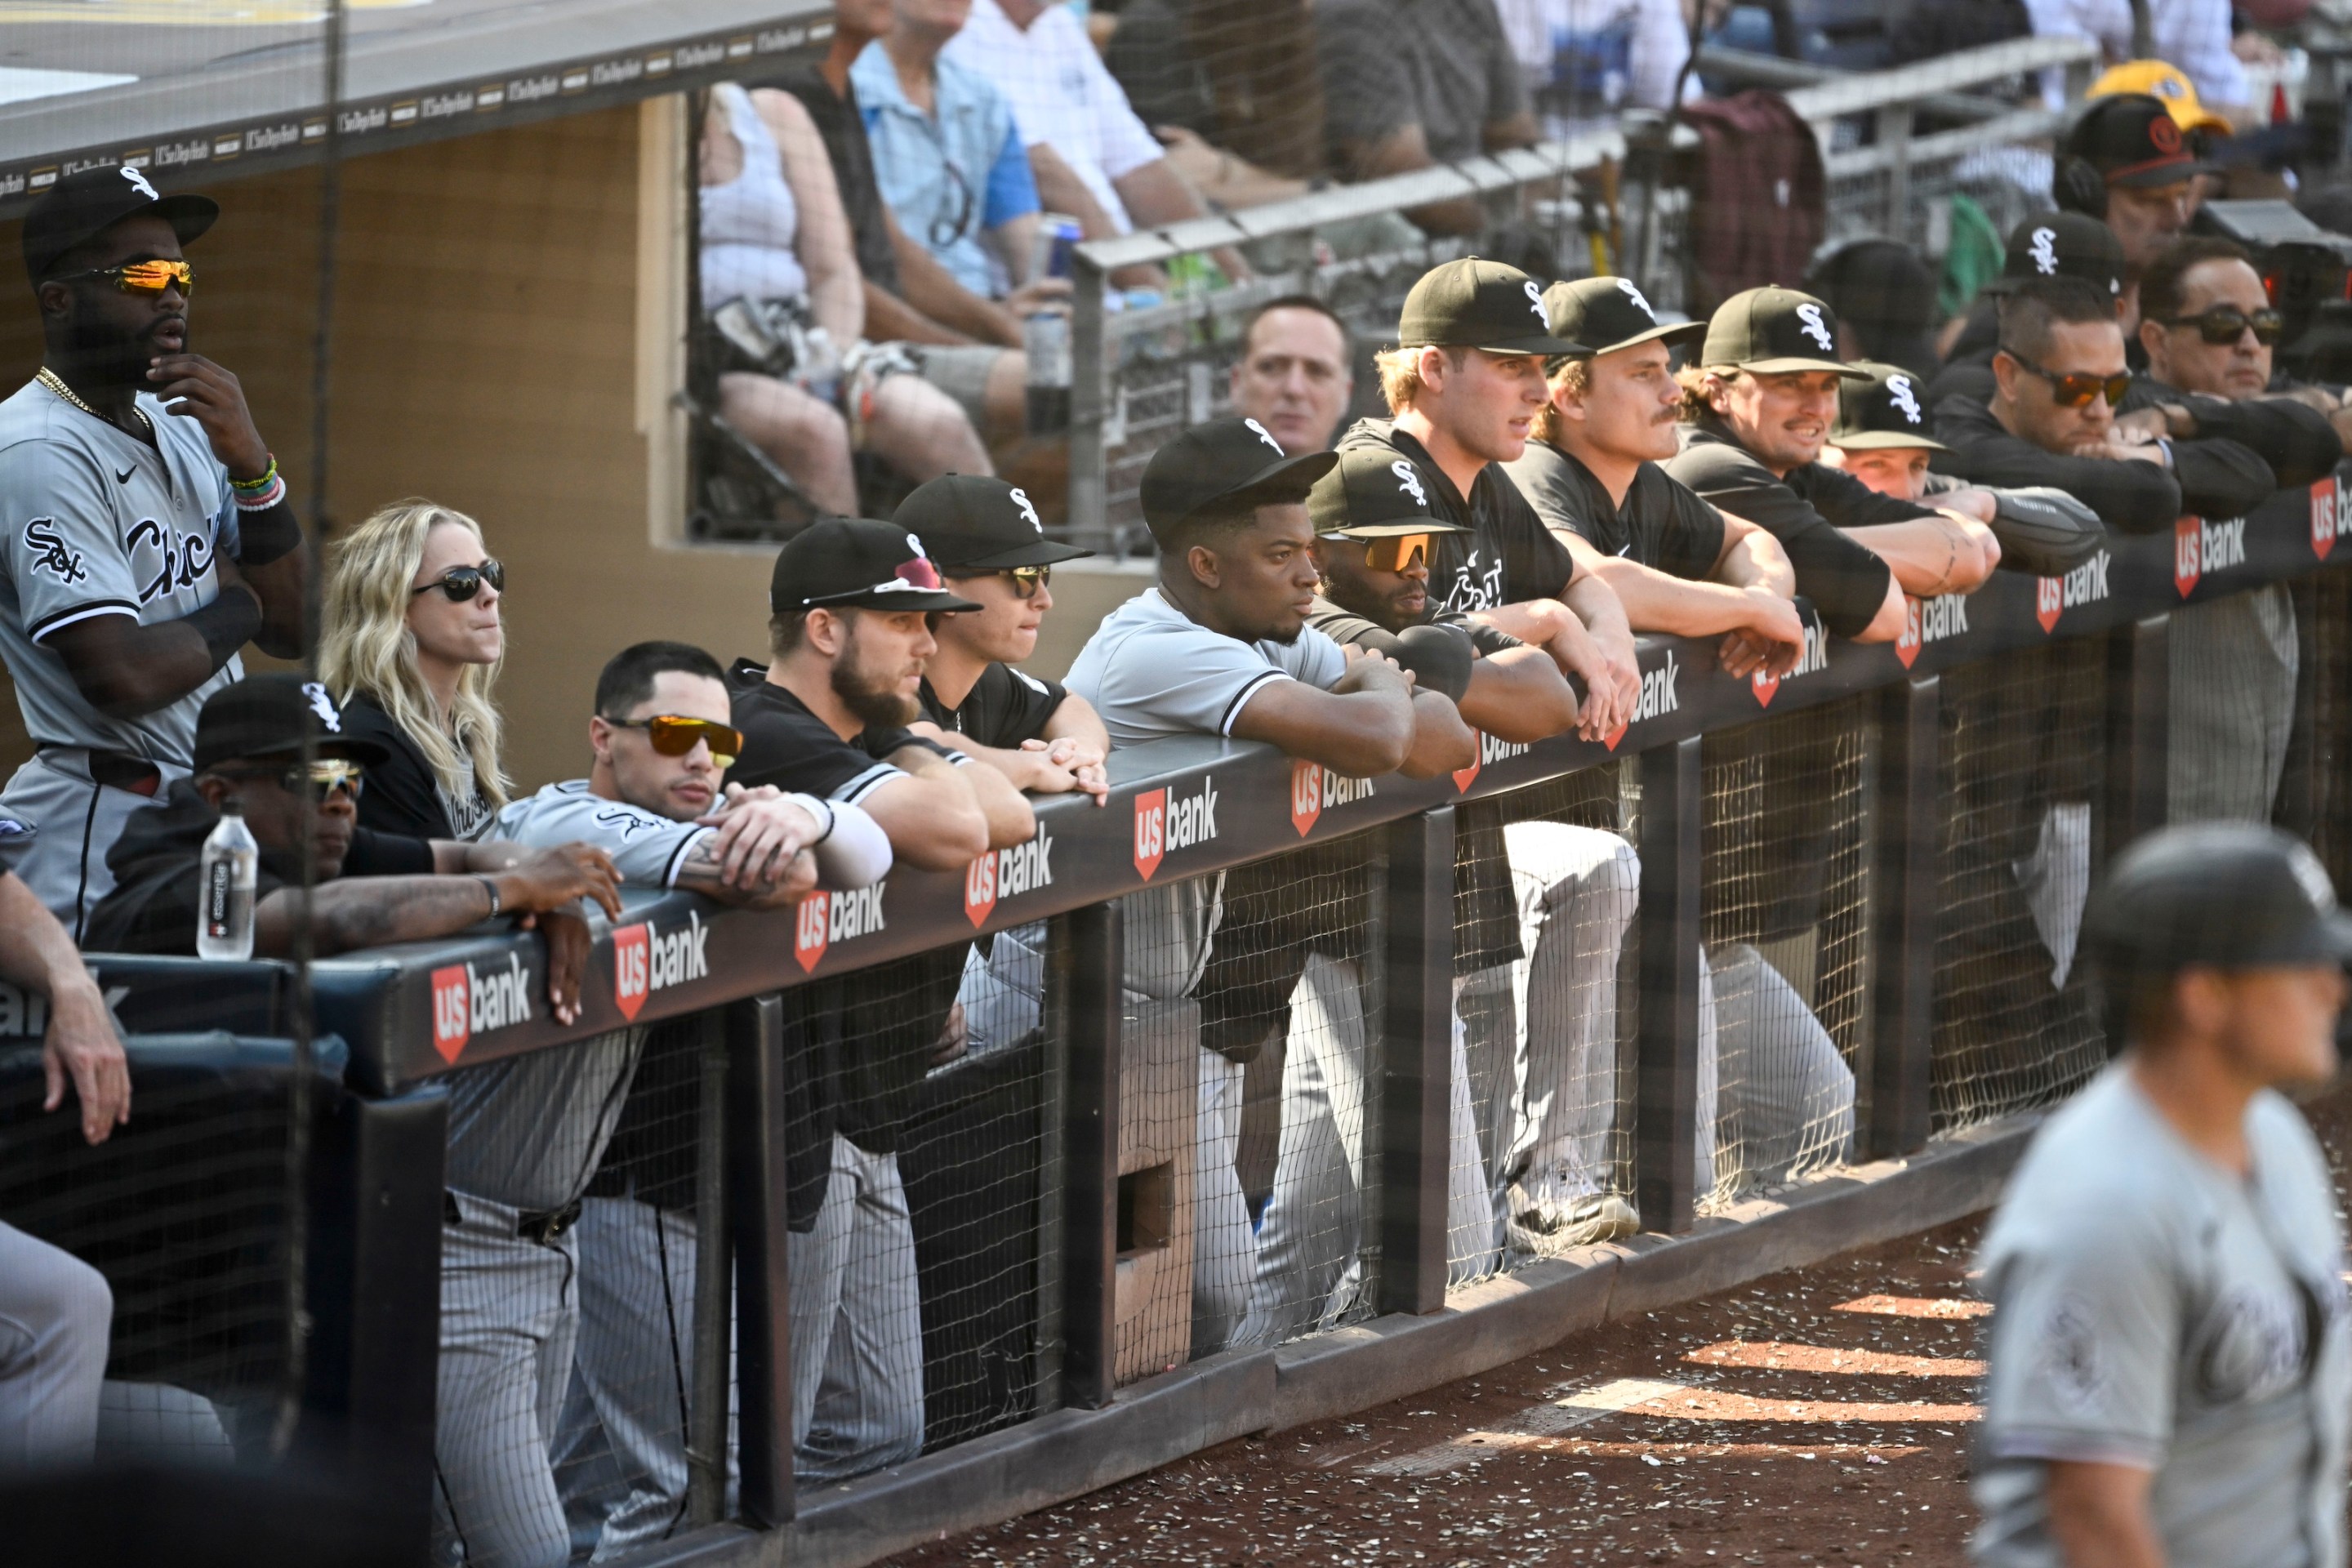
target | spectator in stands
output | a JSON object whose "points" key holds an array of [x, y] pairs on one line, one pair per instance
{"points": [[1882, 439], [413, 642], [147, 531], [660, 740], [848, 637], [1884, 297], [1464, 386], [1295, 374], [2125, 161], [2060, 377], [2050, 245], [776, 245], [970, 344], [2209, 328], [1591, 471], [1756, 409], [947, 155], [1235, 79], [990, 548], [56, 1311], [1411, 83], [2194, 35]]}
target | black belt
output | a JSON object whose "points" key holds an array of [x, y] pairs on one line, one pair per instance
{"points": [[545, 1227], [118, 769]]}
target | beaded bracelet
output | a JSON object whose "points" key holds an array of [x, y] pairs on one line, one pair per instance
{"points": [[269, 476], [261, 501]]}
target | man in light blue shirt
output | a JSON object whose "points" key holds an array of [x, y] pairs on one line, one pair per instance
{"points": [[945, 151]]}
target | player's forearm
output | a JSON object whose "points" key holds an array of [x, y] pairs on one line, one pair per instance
{"points": [[933, 291], [932, 817], [1597, 606], [1076, 720], [35, 951], [1656, 601], [1010, 819], [1441, 742], [369, 912], [2099, 1516], [889, 319], [1520, 696], [124, 669], [281, 585], [1931, 556], [1752, 558]]}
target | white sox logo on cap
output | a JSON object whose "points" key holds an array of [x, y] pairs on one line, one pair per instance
{"points": [[2044, 251], [1535, 301], [1898, 392], [1409, 480], [139, 183], [1635, 296], [1021, 499], [323, 706], [1263, 434], [1809, 316]]}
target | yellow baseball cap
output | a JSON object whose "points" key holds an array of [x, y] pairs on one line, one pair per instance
{"points": [[2160, 81]]}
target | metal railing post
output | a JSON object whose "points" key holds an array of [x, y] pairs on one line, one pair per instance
{"points": [[1666, 1114], [714, 1294], [1090, 377], [1091, 955], [2138, 717], [756, 1219], [1909, 833], [1894, 135], [1416, 1061]]}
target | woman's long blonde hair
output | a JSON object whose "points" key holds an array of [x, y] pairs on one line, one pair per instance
{"points": [[367, 647]]}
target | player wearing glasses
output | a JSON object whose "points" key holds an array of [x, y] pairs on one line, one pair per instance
{"points": [[145, 530], [2059, 378]]}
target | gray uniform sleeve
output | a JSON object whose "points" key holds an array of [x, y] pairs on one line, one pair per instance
{"points": [[647, 850], [58, 539], [1179, 681], [2085, 1344]]}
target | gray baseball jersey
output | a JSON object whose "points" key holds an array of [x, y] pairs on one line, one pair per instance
{"points": [[2153, 1311], [529, 1131], [1152, 671], [96, 523]]}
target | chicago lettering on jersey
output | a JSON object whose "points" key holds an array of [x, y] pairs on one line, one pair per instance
{"points": [[823, 918], [2086, 585], [1162, 825], [466, 1002], [1314, 786], [1007, 874], [2199, 547], [173, 560], [645, 961]]}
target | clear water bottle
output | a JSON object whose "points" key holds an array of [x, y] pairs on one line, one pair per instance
{"points": [[1045, 339], [225, 918]]}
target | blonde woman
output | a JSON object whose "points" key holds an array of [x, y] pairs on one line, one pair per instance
{"points": [[413, 642]]}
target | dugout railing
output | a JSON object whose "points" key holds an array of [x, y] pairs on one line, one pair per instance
{"points": [[1823, 834]]}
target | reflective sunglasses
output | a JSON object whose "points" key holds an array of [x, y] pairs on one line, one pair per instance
{"points": [[464, 583], [1027, 580], [1397, 553], [2223, 323], [326, 777], [674, 736], [2076, 391], [141, 277]]}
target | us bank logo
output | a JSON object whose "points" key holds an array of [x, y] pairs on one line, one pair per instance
{"points": [[1163, 824], [645, 960], [825, 919], [467, 1002], [2086, 585]]}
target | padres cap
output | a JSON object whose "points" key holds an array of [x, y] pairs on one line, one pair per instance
{"points": [[93, 200], [268, 715], [2062, 245], [1609, 313], [2234, 895], [1373, 494], [1771, 329], [970, 523], [1223, 459], [855, 563], [2157, 79], [2132, 140], [1475, 304], [1882, 412]]}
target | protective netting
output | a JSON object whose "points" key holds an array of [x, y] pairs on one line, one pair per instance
{"points": [[2022, 778], [1785, 976], [2326, 679], [182, 1214]]}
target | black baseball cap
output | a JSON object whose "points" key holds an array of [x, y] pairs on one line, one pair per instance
{"points": [[855, 563], [970, 523], [268, 716], [2062, 245], [1883, 412], [1221, 460], [82, 205], [1477, 304], [2132, 140], [1770, 329], [1609, 313], [1374, 493], [2234, 895]]}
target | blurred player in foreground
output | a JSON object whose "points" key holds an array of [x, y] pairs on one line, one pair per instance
{"points": [[2169, 1381]]}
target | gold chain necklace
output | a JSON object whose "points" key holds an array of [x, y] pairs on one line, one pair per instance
{"points": [[57, 384]]}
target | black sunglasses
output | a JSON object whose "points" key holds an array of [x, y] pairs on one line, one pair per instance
{"points": [[2226, 323], [464, 583]]}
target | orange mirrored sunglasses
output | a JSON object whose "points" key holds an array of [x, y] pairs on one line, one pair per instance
{"points": [[1396, 552], [142, 277], [674, 736]]}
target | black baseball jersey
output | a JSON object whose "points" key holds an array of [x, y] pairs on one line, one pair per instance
{"points": [[1663, 524], [1003, 707], [1507, 557]]}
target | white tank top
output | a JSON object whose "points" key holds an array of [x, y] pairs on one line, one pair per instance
{"points": [[749, 223]]}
